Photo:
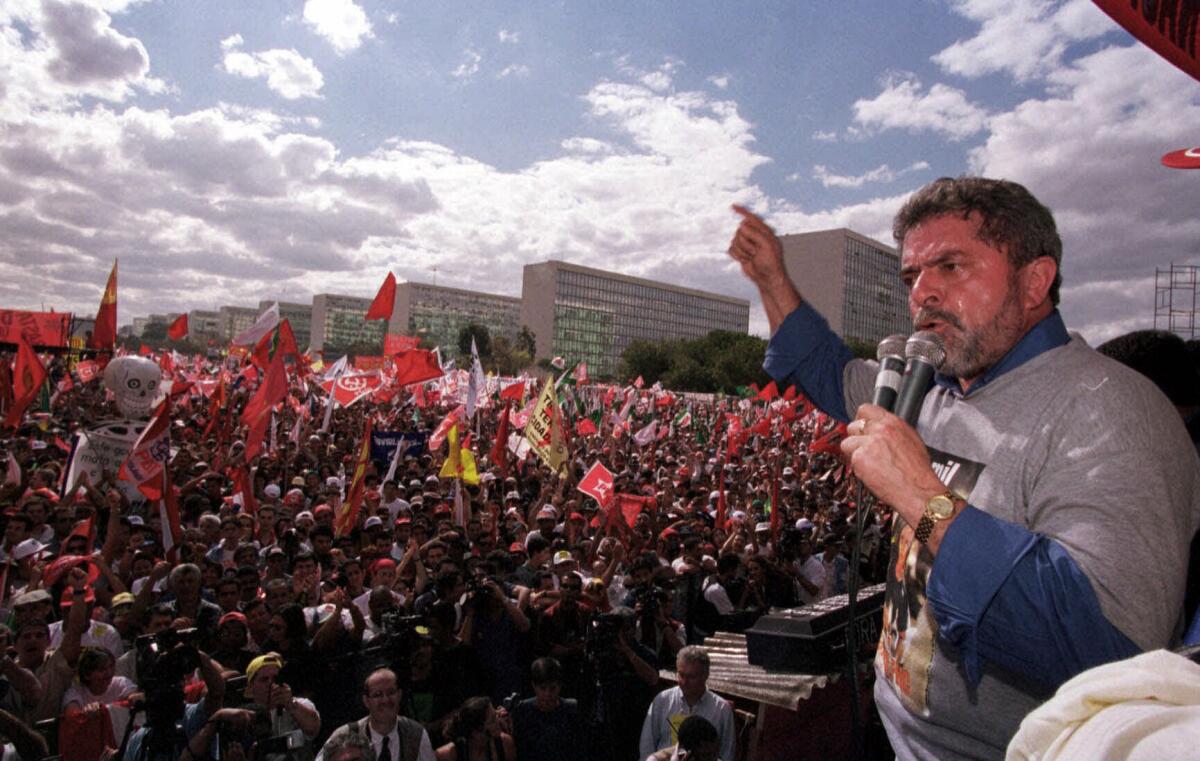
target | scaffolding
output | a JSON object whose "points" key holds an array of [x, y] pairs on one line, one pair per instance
{"points": [[1176, 299]]}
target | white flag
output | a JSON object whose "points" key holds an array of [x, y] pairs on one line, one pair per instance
{"points": [[267, 321], [647, 434]]}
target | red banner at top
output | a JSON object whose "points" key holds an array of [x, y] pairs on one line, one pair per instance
{"points": [[1168, 27], [368, 362], [42, 329]]}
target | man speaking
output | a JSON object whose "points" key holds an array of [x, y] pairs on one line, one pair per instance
{"points": [[1045, 498]]}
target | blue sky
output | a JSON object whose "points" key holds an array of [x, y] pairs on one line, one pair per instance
{"points": [[230, 151]]}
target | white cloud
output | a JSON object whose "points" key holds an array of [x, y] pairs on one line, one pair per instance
{"points": [[509, 36], [342, 23], [470, 65], [721, 82], [1024, 38], [288, 73], [513, 70], [904, 105], [881, 173], [586, 145], [823, 136], [1090, 151]]}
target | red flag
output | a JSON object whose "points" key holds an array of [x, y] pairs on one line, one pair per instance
{"points": [[257, 414], [144, 464], [514, 391], [145, 351], [385, 300], [348, 389], [585, 427], [830, 441], [499, 453], [345, 521], [415, 366], [178, 329], [104, 332], [27, 379], [88, 370], [243, 486], [629, 506], [286, 345], [790, 394], [597, 483], [394, 344], [168, 512], [769, 393]]}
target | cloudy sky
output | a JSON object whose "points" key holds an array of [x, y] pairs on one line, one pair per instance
{"points": [[231, 151]]}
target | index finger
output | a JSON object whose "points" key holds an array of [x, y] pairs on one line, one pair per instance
{"points": [[751, 219]]}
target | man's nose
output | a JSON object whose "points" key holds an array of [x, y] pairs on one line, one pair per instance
{"points": [[926, 290]]}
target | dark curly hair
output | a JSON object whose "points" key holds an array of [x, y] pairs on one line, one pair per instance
{"points": [[1011, 219]]}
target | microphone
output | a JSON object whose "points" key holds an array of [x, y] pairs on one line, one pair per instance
{"points": [[891, 367], [925, 353]]}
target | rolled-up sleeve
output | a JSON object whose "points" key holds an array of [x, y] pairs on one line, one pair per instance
{"points": [[804, 352]]}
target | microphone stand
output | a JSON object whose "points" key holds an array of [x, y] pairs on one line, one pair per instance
{"points": [[856, 720]]}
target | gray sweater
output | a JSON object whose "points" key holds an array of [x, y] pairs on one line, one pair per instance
{"points": [[1073, 447]]}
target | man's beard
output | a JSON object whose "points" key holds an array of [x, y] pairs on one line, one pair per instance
{"points": [[971, 352]]}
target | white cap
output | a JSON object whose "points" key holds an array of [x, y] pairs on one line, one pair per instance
{"points": [[373, 522], [27, 548], [272, 491]]}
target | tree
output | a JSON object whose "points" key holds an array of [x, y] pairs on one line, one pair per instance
{"points": [[483, 340], [154, 333], [719, 361], [507, 359], [860, 348], [527, 341]]}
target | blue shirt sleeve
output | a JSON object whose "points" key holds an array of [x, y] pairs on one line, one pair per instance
{"points": [[804, 352], [1022, 604]]}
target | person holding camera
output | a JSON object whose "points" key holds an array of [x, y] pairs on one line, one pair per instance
{"points": [[288, 713], [391, 736]]}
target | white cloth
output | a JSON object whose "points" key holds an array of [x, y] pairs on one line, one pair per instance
{"points": [[813, 570], [118, 688], [716, 594], [1146, 708], [99, 634]]}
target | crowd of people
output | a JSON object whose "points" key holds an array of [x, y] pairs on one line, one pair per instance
{"points": [[542, 618]]}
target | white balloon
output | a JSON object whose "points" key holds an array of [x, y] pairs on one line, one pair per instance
{"points": [[135, 383]]}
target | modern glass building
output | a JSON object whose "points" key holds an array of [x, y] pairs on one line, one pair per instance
{"points": [[234, 320], [852, 280], [340, 321], [437, 313], [585, 314]]}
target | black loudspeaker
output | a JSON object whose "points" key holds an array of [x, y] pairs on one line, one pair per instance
{"points": [[812, 639]]}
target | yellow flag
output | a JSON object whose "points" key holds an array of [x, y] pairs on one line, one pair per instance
{"points": [[460, 462], [544, 431]]}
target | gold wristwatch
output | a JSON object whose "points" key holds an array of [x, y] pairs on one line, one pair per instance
{"points": [[939, 508]]}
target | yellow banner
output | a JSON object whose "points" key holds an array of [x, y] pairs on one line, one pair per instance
{"points": [[544, 431]]}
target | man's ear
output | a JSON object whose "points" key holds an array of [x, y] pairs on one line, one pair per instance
{"points": [[1036, 279]]}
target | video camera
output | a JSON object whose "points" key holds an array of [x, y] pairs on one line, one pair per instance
{"points": [[164, 661]]}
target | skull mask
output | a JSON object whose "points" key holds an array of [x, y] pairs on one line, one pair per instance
{"points": [[135, 383]]}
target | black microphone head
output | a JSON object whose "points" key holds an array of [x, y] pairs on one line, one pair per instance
{"points": [[926, 346], [892, 346]]}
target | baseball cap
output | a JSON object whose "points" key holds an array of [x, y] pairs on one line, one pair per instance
{"points": [[31, 598], [563, 556], [373, 522], [272, 491], [124, 598], [233, 615], [256, 665]]}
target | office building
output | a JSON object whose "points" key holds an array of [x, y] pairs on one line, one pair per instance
{"points": [[299, 317], [436, 314], [585, 314], [234, 320], [852, 280], [204, 325], [339, 324]]}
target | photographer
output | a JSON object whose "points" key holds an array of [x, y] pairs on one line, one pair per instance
{"points": [[175, 730], [624, 679], [287, 712], [493, 624]]}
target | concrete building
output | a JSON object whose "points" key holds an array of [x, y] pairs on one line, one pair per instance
{"points": [[299, 316], [585, 314], [236, 319], [852, 280], [437, 313], [204, 325], [339, 322]]}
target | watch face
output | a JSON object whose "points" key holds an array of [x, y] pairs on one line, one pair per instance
{"points": [[941, 506]]}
